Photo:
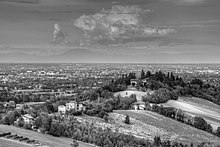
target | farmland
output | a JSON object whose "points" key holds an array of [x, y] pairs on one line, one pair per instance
{"points": [[198, 107], [46, 140], [176, 130]]}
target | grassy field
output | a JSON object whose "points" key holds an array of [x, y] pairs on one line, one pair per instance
{"points": [[10, 143], [47, 140], [199, 107], [127, 93], [183, 133]]}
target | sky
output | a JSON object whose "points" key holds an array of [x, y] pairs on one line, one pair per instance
{"points": [[148, 31]]}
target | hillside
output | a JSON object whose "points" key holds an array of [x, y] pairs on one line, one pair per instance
{"points": [[198, 107], [46, 140], [174, 130]]}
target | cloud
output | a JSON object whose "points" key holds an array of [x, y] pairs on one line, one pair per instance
{"points": [[58, 35], [119, 24], [189, 2], [23, 1]]}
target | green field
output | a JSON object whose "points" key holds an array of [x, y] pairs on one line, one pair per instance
{"points": [[42, 138], [198, 107], [127, 93], [183, 133]]}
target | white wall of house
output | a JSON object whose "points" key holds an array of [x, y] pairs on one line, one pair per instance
{"points": [[62, 109]]}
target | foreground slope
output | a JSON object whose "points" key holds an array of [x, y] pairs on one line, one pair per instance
{"points": [[47, 140], [198, 107], [176, 130]]}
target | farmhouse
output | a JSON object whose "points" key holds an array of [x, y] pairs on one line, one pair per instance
{"points": [[134, 82], [71, 105], [62, 109], [28, 119], [138, 105]]}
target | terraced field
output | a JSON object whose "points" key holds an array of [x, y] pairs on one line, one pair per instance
{"points": [[46, 140], [176, 130], [198, 107]]}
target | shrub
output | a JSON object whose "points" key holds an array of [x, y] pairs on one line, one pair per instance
{"points": [[27, 126], [127, 119], [76, 113], [74, 144]]}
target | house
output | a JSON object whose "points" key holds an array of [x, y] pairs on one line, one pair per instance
{"points": [[134, 82], [75, 105], [12, 104], [139, 106], [81, 107], [145, 81], [28, 119], [71, 105], [62, 109], [19, 106]]}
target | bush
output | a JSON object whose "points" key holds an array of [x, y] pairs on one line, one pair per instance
{"points": [[101, 114], [74, 144], [27, 126], [76, 113]]}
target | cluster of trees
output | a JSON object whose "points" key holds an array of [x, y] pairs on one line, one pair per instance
{"points": [[196, 87], [177, 114], [162, 80], [106, 105], [162, 95]]}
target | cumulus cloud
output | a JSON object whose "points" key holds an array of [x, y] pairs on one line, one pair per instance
{"points": [[58, 35], [119, 24]]}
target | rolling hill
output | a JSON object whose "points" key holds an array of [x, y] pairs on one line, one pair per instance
{"points": [[198, 107], [176, 130]]}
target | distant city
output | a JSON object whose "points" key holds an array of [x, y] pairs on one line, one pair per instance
{"points": [[93, 76]]}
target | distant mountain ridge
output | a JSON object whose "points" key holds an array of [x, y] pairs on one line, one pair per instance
{"points": [[70, 56]]}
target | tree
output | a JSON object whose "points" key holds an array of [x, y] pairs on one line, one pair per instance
{"points": [[218, 131], [209, 128], [55, 129], [148, 74], [200, 123], [157, 141], [142, 74], [105, 118], [127, 119], [20, 122]]}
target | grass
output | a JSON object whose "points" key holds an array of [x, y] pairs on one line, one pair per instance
{"points": [[183, 133], [127, 93], [42, 138], [198, 107]]}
